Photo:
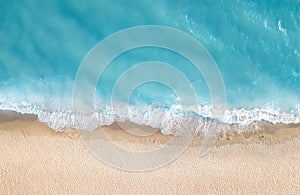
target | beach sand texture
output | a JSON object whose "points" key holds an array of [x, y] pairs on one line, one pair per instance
{"points": [[34, 159]]}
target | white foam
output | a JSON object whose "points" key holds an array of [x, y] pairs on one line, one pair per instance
{"points": [[175, 121]]}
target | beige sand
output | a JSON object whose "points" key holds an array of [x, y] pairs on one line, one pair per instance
{"points": [[36, 160]]}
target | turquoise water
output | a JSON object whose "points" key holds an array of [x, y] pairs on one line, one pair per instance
{"points": [[255, 44]]}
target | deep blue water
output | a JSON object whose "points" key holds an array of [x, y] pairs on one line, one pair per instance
{"points": [[256, 45]]}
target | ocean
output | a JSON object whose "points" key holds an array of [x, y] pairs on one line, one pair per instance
{"points": [[255, 46]]}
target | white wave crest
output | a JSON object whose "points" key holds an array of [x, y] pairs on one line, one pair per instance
{"points": [[174, 120]]}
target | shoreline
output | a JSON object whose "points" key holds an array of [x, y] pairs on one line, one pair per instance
{"points": [[267, 134]]}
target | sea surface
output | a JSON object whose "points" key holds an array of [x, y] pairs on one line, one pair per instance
{"points": [[255, 44]]}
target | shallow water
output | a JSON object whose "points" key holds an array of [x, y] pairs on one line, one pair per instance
{"points": [[254, 44]]}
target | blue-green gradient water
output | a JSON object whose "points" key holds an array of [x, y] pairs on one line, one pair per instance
{"points": [[256, 45]]}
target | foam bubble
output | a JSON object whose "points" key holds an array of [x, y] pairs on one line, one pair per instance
{"points": [[174, 120]]}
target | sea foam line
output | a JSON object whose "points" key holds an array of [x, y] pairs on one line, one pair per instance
{"points": [[172, 120]]}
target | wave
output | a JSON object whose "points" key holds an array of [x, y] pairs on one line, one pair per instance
{"points": [[173, 120]]}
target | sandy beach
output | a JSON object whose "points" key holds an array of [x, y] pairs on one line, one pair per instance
{"points": [[35, 159], [150, 97]]}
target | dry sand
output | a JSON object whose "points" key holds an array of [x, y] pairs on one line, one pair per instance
{"points": [[36, 160]]}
